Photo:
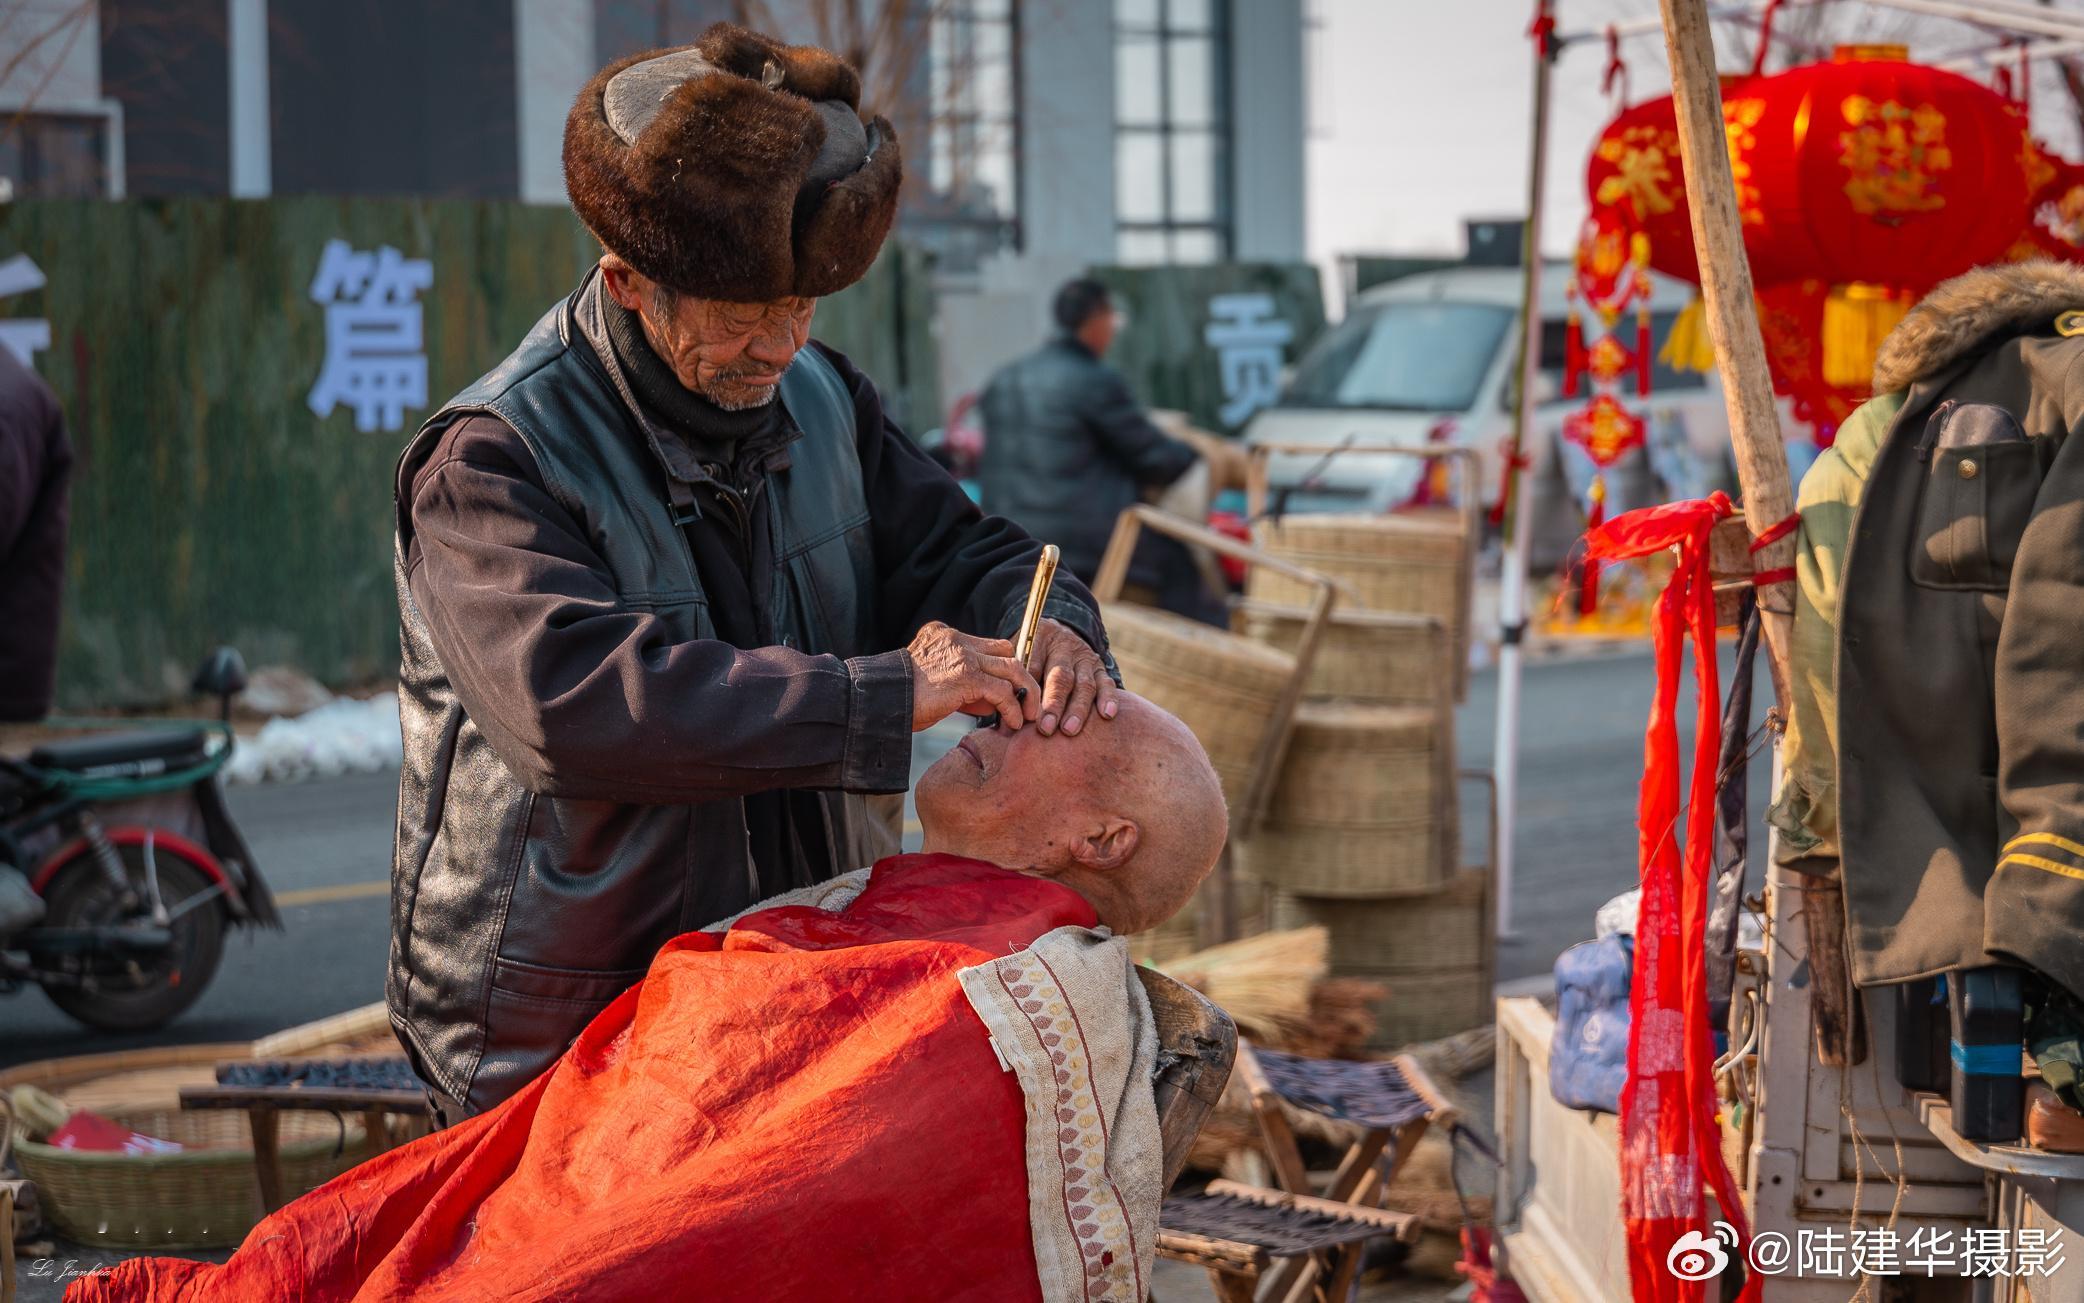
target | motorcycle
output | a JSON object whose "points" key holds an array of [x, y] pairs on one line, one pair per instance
{"points": [[126, 840]]}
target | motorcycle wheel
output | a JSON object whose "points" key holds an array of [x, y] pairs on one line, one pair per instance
{"points": [[147, 992]]}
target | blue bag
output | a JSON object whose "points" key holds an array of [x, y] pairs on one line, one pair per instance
{"points": [[1588, 1059]]}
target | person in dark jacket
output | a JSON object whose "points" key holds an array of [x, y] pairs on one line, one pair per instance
{"points": [[674, 592], [1067, 449], [35, 473]]}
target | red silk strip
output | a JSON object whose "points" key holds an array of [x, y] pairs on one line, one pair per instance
{"points": [[1786, 526], [1670, 1137], [1767, 578]]}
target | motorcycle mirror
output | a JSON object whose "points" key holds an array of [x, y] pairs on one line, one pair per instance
{"points": [[222, 673]]}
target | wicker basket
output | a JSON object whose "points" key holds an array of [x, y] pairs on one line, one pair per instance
{"points": [[1382, 657], [1426, 1006], [1351, 765], [1312, 860], [1225, 688], [1444, 929], [204, 1197], [1418, 564]]}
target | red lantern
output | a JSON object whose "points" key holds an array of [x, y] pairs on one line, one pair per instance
{"points": [[1790, 319], [1860, 169]]}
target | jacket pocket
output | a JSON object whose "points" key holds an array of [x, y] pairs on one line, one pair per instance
{"points": [[594, 986], [533, 1013], [1982, 474]]}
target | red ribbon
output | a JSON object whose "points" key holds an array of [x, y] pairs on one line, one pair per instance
{"points": [[1670, 1138], [1543, 29], [1760, 542]]}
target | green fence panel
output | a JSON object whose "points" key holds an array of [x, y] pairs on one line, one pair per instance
{"points": [[211, 503], [1211, 340]]}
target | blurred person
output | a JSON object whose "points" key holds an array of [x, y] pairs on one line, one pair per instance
{"points": [[35, 475], [1067, 449], [674, 591]]}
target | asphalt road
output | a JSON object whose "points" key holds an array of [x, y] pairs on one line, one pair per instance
{"points": [[325, 847]]}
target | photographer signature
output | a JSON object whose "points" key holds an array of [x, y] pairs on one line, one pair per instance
{"points": [[70, 1269]]}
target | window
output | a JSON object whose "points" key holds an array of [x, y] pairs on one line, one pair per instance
{"points": [[1404, 356], [973, 162], [54, 156], [1172, 131]]}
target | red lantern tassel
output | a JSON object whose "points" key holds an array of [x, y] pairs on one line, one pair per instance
{"points": [[1573, 350], [1642, 348], [1588, 581]]}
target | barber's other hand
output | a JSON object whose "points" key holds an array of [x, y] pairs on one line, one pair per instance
{"points": [[1074, 680], [957, 672]]}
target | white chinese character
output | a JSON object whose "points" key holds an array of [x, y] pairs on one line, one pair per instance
{"points": [[2038, 1252], [24, 337], [374, 358], [1247, 338], [1987, 1252], [1822, 1251], [1874, 1253], [1931, 1250]]}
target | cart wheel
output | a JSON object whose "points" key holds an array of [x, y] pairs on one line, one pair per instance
{"points": [[146, 991]]}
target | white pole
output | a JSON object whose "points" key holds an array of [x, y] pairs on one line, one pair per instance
{"points": [[252, 162], [1512, 581]]}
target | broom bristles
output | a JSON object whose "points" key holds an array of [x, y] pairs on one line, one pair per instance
{"points": [[1262, 982]]}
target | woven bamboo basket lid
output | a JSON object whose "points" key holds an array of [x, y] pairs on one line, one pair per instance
{"points": [[1225, 688], [1431, 932], [1386, 658], [1352, 765], [1382, 859]]}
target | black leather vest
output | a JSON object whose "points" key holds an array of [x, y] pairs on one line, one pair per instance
{"points": [[515, 917]]}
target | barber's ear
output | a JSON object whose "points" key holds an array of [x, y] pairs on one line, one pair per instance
{"points": [[1107, 847], [621, 281]]}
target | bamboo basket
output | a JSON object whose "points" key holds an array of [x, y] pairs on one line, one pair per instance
{"points": [[1445, 929], [1426, 1007], [204, 1197], [1364, 862], [1353, 765], [1226, 689], [1382, 657], [1416, 564], [207, 1196]]}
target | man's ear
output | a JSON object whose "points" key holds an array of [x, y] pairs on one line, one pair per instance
{"points": [[621, 279], [1108, 847]]}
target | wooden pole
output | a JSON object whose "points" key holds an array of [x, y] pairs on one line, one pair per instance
{"points": [[1754, 431]]}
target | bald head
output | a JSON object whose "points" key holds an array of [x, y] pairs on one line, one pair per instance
{"points": [[1129, 813]]}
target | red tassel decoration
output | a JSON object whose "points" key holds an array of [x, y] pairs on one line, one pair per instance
{"points": [[1588, 583], [1573, 350]]}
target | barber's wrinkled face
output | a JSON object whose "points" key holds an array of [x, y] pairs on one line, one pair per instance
{"points": [[733, 354]]}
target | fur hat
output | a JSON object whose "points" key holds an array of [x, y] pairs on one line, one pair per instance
{"points": [[735, 168]]}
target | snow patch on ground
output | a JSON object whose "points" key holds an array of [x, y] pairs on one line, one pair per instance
{"points": [[343, 736]]}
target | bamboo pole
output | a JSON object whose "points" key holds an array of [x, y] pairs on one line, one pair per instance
{"points": [[1754, 430]]}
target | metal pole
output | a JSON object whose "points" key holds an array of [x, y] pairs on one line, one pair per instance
{"points": [[1512, 580]]}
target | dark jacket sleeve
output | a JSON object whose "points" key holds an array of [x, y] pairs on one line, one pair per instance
{"points": [[1154, 458], [940, 556], [2034, 905], [584, 698]]}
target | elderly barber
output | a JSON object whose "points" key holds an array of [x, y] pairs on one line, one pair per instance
{"points": [[675, 593]]}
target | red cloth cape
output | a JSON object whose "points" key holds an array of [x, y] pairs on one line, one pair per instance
{"points": [[805, 1107]]}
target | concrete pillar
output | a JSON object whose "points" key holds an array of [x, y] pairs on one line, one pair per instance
{"points": [[1268, 124], [553, 57], [251, 115]]}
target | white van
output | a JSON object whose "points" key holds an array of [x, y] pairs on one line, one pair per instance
{"points": [[1430, 359]]}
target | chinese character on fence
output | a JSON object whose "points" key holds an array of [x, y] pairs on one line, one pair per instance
{"points": [[1248, 338], [375, 361], [24, 337]]}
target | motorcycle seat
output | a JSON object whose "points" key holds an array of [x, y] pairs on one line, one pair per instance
{"points": [[174, 748]]}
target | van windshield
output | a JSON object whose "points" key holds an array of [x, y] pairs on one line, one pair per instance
{"points": [[1406, 357]]}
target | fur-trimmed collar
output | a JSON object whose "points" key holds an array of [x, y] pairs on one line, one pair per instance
{"points": [[1972, 310]]}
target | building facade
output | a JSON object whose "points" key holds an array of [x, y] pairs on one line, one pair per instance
{"points": [[1043, 136]]}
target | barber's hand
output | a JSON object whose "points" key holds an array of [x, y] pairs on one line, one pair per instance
{"points": [[1074, 680], [955, 672]]}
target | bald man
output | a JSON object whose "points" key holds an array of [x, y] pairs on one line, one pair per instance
{"points": [[926, 1080], [1131, 820]]}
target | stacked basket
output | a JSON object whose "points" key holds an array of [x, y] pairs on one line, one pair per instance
{"points": [[1362, 832]]}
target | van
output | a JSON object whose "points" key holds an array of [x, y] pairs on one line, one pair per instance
{"points": [[1431, 359]]}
